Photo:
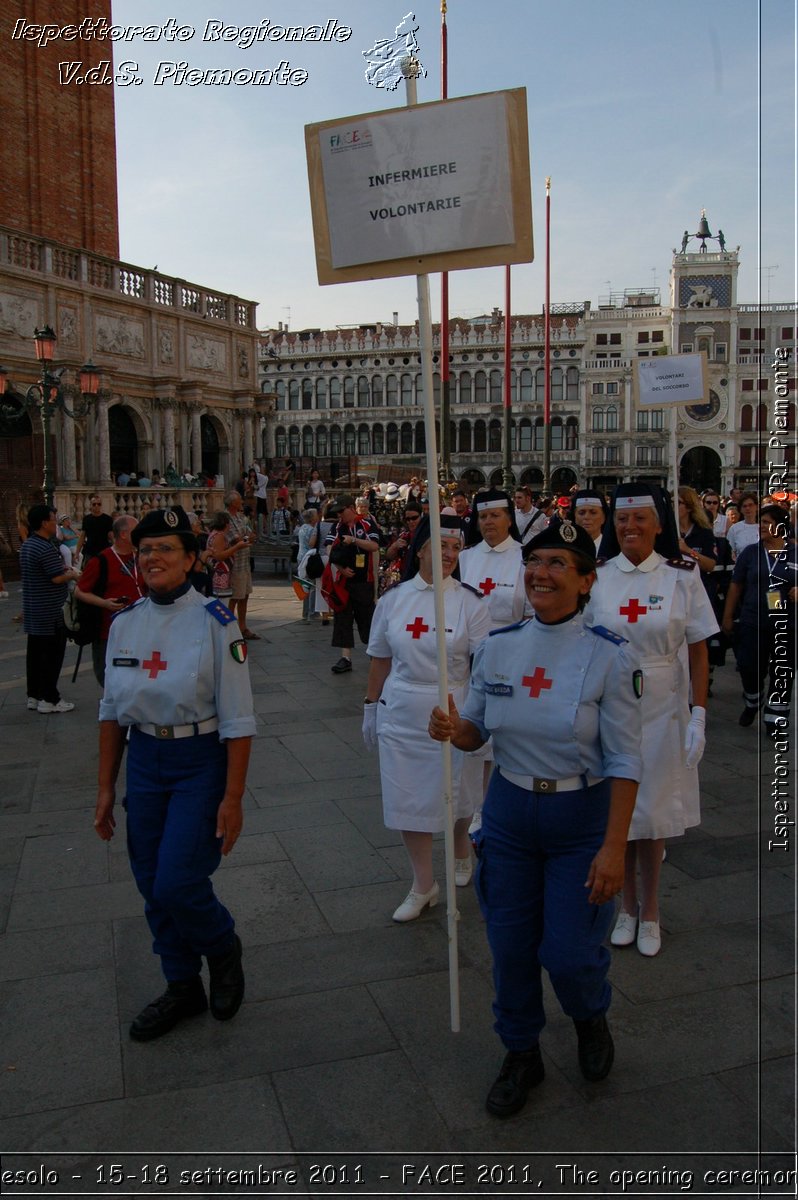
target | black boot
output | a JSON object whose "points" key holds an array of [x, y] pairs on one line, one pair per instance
{"points": [[227, 982], [596, 1049], [521, 1071], [185, 998]]}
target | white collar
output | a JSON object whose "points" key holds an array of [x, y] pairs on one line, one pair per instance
{"points": [[648, 564], [507, 544], [419, 583]]}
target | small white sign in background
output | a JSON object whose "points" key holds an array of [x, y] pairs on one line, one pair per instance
{"points": [[671, 379]]}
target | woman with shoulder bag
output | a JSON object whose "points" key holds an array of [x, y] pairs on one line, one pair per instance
{"points": [[220, 551]]}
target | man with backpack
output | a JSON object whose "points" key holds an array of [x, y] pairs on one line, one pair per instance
{"points": [[354, 549], [110, 582], [44, 590]]}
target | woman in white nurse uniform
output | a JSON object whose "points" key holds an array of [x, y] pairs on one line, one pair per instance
{"points": [[492, 564], [402, 688], [658, 602]]}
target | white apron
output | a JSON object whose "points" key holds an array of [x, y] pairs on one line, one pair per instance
{"points": [[498, 574], [411, 770], [658, 610]]}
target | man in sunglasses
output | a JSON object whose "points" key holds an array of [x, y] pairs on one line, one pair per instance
{"points": [[95, 535]]}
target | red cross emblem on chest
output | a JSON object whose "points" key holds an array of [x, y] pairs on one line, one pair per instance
{"points": [[417, 628], [632, 610], [487, 586], [537, 682], [154, 664]]}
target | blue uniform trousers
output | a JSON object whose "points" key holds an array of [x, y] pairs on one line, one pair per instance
{"points": [[534, 854], [174, 789]]}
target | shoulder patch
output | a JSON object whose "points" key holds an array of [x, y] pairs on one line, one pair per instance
{"points": [[474, 590], [507, 628], [681, 564], [602, 632], [220, 612]]}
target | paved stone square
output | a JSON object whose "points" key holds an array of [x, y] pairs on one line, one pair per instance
{"points": [[343, 1042]]}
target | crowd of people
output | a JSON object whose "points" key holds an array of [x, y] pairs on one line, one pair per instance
{"points": [[581, 634]]}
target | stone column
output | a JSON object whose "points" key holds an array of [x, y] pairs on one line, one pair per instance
{"points": [[168, 431], [248, 449], [103, 443], [69, 469], [196, 440]]}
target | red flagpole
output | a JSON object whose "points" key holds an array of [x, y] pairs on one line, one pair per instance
{"points": [[507, 482], [445, 438], [547, 349]]}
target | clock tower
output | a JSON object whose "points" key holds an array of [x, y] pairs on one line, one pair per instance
{"points": [[704, 315]]}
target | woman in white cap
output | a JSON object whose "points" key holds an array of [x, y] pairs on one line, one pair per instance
{"points": [[589, 510], [650, 594], [491, 564], [401, 690]]}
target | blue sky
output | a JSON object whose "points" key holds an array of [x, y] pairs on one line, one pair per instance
{"points": [[641, 113]]}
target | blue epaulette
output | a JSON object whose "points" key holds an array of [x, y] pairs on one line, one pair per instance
{"points": [[681, 564], [506, 628], [129, 608], [220, 611], [474, 590], [602, 631]]}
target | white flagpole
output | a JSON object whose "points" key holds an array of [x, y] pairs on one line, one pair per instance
{"points": [[409, 70]]}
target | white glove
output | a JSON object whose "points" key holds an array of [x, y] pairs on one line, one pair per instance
{"points": [[695, 738], [370, 727]]}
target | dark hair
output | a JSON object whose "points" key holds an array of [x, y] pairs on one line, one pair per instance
{"points": [[38, 514], [220, 520], [747, 496]]}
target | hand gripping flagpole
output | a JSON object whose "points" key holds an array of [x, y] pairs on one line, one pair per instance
{"points": [[410, 69]]}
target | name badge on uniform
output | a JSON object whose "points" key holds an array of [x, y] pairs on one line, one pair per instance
{"points": [[360, 561], [499, 689], [125, 662], [776, 602]]}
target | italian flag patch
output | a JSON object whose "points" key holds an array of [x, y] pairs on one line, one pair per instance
{"points": [[238, 649]]}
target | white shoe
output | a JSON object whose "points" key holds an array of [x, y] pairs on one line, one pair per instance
{"points": [[476, 822], [414, 904], [44, 706], [648, 938], [32, 704], [625, 929], [463, 871]]}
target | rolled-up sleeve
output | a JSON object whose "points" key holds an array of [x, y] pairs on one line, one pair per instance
{"points": [[620, 722], [233, 688], [474, 708]]}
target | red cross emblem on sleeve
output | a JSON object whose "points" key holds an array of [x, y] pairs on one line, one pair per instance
{"points": [[632, 610], [154, 664], [417, 628], [487, 586], [537, 682]]}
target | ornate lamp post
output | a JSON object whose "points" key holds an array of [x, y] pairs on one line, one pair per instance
{"points": [[48, 395]]}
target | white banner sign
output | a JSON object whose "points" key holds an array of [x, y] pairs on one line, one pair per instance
{"points": [[415, 181], [671, 379]]}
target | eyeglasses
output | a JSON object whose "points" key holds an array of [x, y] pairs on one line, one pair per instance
{"points": [[711, 503], [416, 518], [146, 551], [557, 566]]}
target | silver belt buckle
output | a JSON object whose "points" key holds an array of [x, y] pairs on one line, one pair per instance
{"points": [[544, 785], [164, 731]]}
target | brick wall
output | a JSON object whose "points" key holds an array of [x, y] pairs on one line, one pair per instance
{"points": [[58, 141]]}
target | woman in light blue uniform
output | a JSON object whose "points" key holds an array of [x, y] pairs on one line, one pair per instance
{"points": [[561, 703], [177, 681]]}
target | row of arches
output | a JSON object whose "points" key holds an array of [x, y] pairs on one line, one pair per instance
{"points": [[405, 389], [408, 437]]}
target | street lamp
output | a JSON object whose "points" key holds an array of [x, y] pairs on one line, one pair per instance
{"points": [[49, 395]]}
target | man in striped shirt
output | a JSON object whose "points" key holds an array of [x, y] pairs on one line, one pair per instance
{"points": [[44, 590]]}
